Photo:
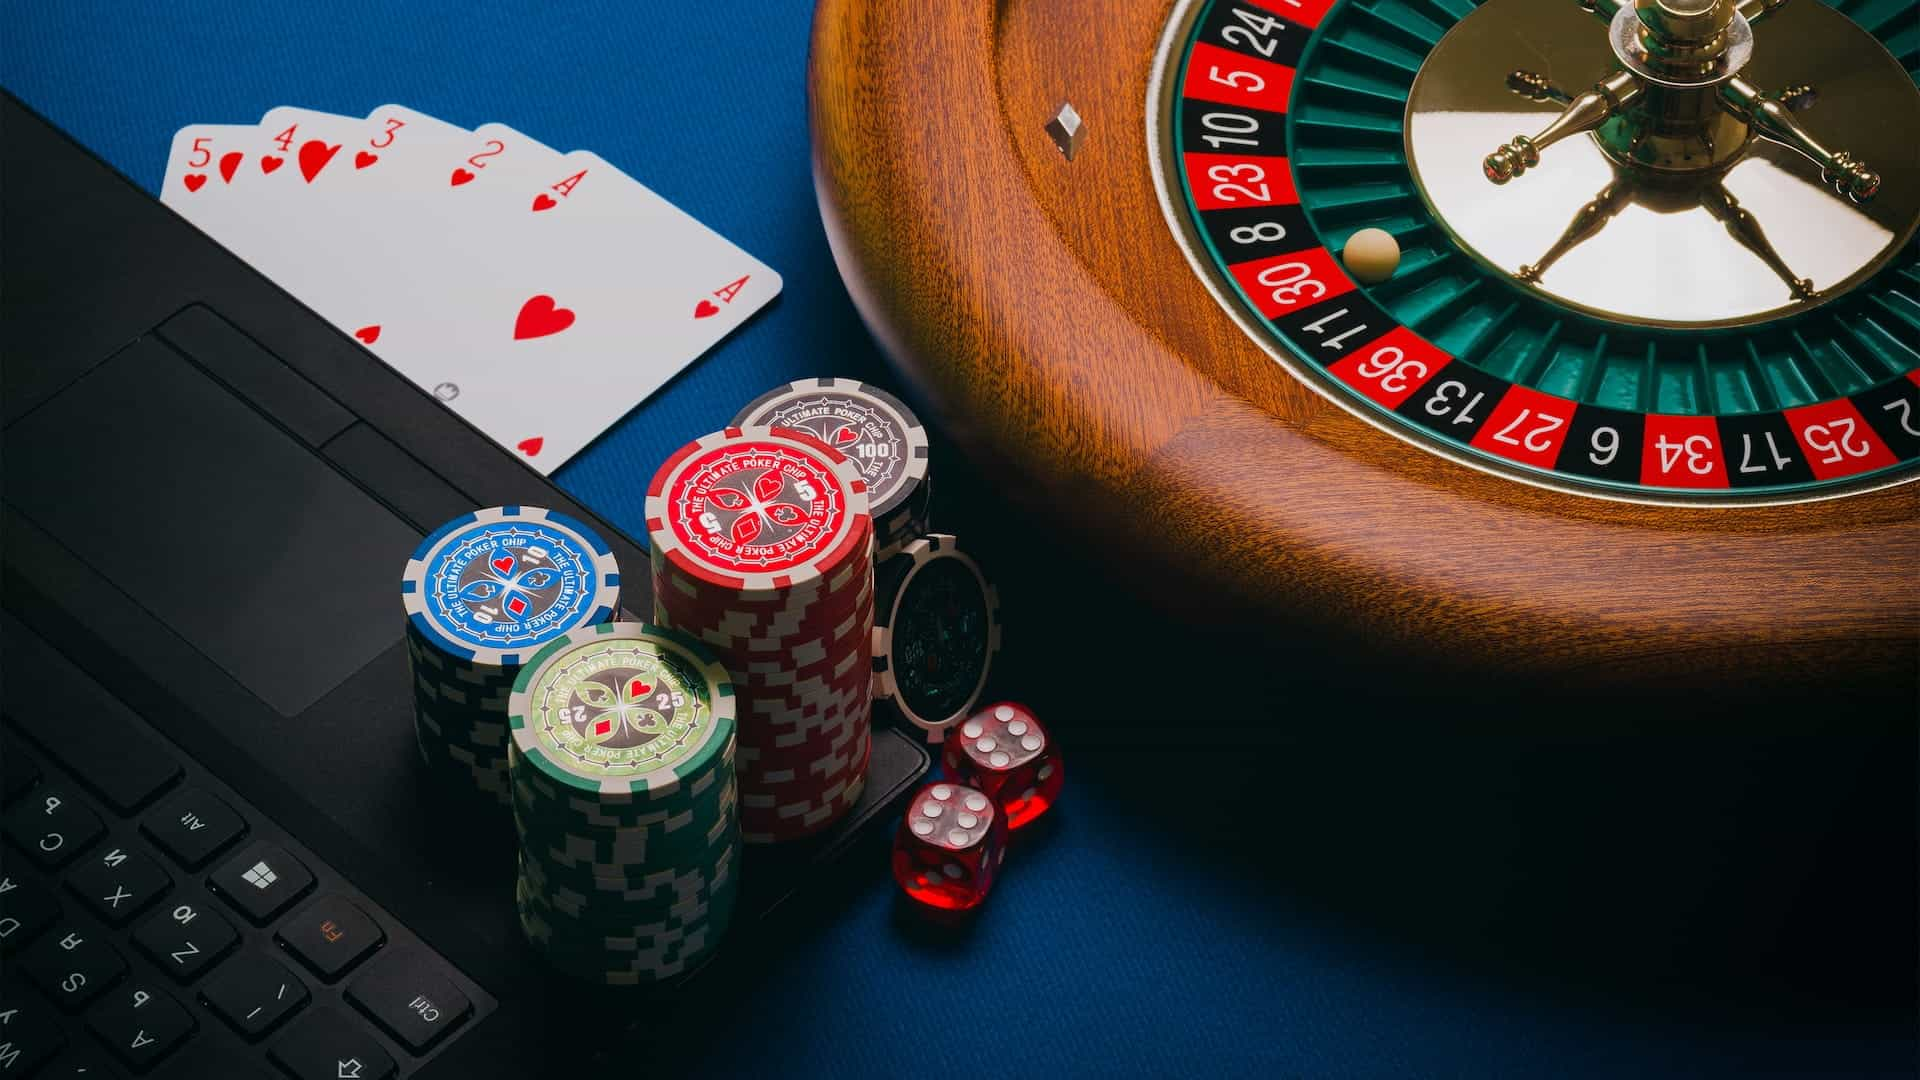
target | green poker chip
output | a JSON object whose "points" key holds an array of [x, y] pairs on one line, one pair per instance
{"points": [[620, 744], [622, 710]]}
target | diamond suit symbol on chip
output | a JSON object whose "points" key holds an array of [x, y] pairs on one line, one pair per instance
{"points": [[516, 606]]}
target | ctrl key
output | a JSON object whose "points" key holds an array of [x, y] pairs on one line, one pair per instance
{"points": [[327, 1044], [406, 992]]}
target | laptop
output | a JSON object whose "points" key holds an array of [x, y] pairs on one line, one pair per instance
{"points": [[221, 858]]}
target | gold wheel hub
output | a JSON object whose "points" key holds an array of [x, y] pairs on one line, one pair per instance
{"points": [[1665, 186]]}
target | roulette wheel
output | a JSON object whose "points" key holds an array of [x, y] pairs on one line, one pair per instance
{"points": [[1638, 398]]}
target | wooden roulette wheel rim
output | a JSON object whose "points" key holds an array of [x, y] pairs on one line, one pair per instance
{"points": [[1046, 310]]}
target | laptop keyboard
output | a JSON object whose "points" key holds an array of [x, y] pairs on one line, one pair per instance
{"points": [[152, 923]]}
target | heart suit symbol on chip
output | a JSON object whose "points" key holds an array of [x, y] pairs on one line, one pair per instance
{"points": [[539, 317], [195, 181], [705, 309], [314, 156]]}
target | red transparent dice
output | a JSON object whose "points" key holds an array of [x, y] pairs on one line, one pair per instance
{"points": [[1003, 751], [949, 847]]}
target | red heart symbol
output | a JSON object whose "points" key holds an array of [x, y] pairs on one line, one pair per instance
{"points": [[461, 176], [364, 158], [268, 164], [540, 317], [230, 161], [503, 564], [705, 309], [846, 434], [543, 201], [195, 181], [638, 688], [368, 334], [314, 156], [532, 446]]}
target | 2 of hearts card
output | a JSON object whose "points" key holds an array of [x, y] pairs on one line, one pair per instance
{"points": [[539, 294]]}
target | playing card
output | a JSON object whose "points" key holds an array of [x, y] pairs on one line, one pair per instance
{"points": [[584, 293], [539, 295], [204, 164]]}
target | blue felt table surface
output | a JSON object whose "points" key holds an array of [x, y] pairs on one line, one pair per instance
{"points": [[1117, 945]]}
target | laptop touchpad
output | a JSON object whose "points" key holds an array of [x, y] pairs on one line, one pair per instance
{"points": [[221, 525]]}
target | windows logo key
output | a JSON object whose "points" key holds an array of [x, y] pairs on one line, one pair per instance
{"points": [[260, 875]]}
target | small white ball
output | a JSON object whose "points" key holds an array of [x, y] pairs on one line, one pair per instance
{"points": [[1371, 255]]}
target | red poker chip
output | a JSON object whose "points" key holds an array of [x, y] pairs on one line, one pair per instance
{"points": [[797, 776], [831, 733], [767, 624], [676, 594], [758, 511], [807, 645], [816, 772], [781, 711]]}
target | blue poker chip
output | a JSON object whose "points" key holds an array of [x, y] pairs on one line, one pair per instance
{"points": [[490, 588]]}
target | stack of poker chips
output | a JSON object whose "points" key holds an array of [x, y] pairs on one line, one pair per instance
{"points": [[762, 548], [482, 593], [873, 428], [622, 759], [936, 630]]}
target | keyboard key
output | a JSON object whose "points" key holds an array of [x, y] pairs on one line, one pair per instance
{"points": [[407, 992], [192, 826], [117, 883], [141, 1024], [254, 993], [186, 939], [261, 881], [327, 1044], [110, 750], [72, 964], [82, 1063], [331, 935], [53, 827], [25, 909], [29, 1035], [17, 774]]}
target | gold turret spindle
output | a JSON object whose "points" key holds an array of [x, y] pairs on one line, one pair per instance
{"points": [[1775, 121], [1585, 113]]}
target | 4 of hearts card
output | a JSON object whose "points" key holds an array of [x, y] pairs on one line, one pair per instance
{"points": [[540, 295]]}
